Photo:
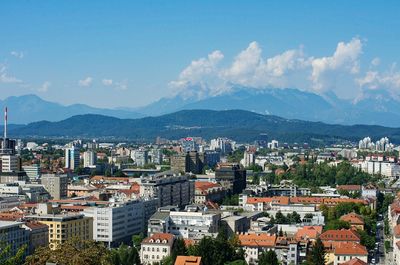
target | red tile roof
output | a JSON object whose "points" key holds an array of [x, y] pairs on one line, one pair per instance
{"points": [[353, 219], [188, 260], [340, 235], [160, 236], [311, 232], [350, 248], [349, 187], [255, 240]]}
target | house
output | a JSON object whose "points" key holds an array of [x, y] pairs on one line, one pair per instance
{"points": [[346, 251], [308, 232], [355, 261], [254, 244], [356, 221], [156, 247], [188, 260], [343, 235]]}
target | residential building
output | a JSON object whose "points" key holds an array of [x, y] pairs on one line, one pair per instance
{"points": [[56, 185], [10, 163], [231, 176], [89, 159], [344, 252], [356, 221], [141, 157], [171, 188], [208, 191], [33, 172], [63, 226], [255, 244], [192, 161], [72, 158], [194, 222], [249, 159], [38, 235], [117, 222], [156, 247]]}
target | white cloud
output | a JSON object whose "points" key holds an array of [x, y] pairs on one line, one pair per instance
{"points": [[291, 68], [344, 60], [374, 80], [5, 77], [107, 82], [17, 54], [122, 85], [86, 82], [44, 87], [376, 61]]}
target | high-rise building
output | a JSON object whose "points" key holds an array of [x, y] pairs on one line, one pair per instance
{"points": [[141, 157], [32, 172], [171, 188], [188, 162], [56, 185], [89, 159], [72, 157], [249, 158], [231, 176]]}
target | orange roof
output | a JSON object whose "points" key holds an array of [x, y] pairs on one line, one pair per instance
{"points": [[188, 242], [355, 261], [188, 260], [35, 225], [302, 200], [340, 235], [311, 232], [353, 219], [349, 187], [205, 185], [275, 200], [104, 178], [396, 231], [350, 248], [257, 240], [11, 216], [160, 236]]}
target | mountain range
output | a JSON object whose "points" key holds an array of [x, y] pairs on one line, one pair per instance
{"points": [[239, 125], [31, 108], [374, 108]]}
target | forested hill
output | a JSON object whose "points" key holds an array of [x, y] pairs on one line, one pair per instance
{"points": [[236, 124]]}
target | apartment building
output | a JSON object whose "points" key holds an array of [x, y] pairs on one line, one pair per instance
{"points": [[171, 188], [63, 226], [56, 185]]}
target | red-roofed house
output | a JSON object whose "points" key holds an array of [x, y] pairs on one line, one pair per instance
{"points": [[254, 244], [208, 191], [356, 221], [355, 261], [308, 232], [347, 251], [330, 237], [156, 247]]}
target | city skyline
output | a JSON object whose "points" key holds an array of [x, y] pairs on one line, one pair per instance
{"points": [[132, 54]]}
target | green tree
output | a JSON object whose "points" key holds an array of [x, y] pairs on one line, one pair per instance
{"points": [[268, 258], [137, 240], [125, 255], [317, 255], [72, 252], [8, 258], [178, 249]]}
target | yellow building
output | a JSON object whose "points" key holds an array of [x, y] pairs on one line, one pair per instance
{"points": [[64, 226]]}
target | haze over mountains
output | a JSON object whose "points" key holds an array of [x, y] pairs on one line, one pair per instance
{"points": [[375, 108], [239, 125]]}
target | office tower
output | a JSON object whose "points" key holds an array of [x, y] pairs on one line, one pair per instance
{"points": [[72, 158], [89, 159]]}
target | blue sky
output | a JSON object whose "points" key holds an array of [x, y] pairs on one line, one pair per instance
{"points": [[130, 53]]}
